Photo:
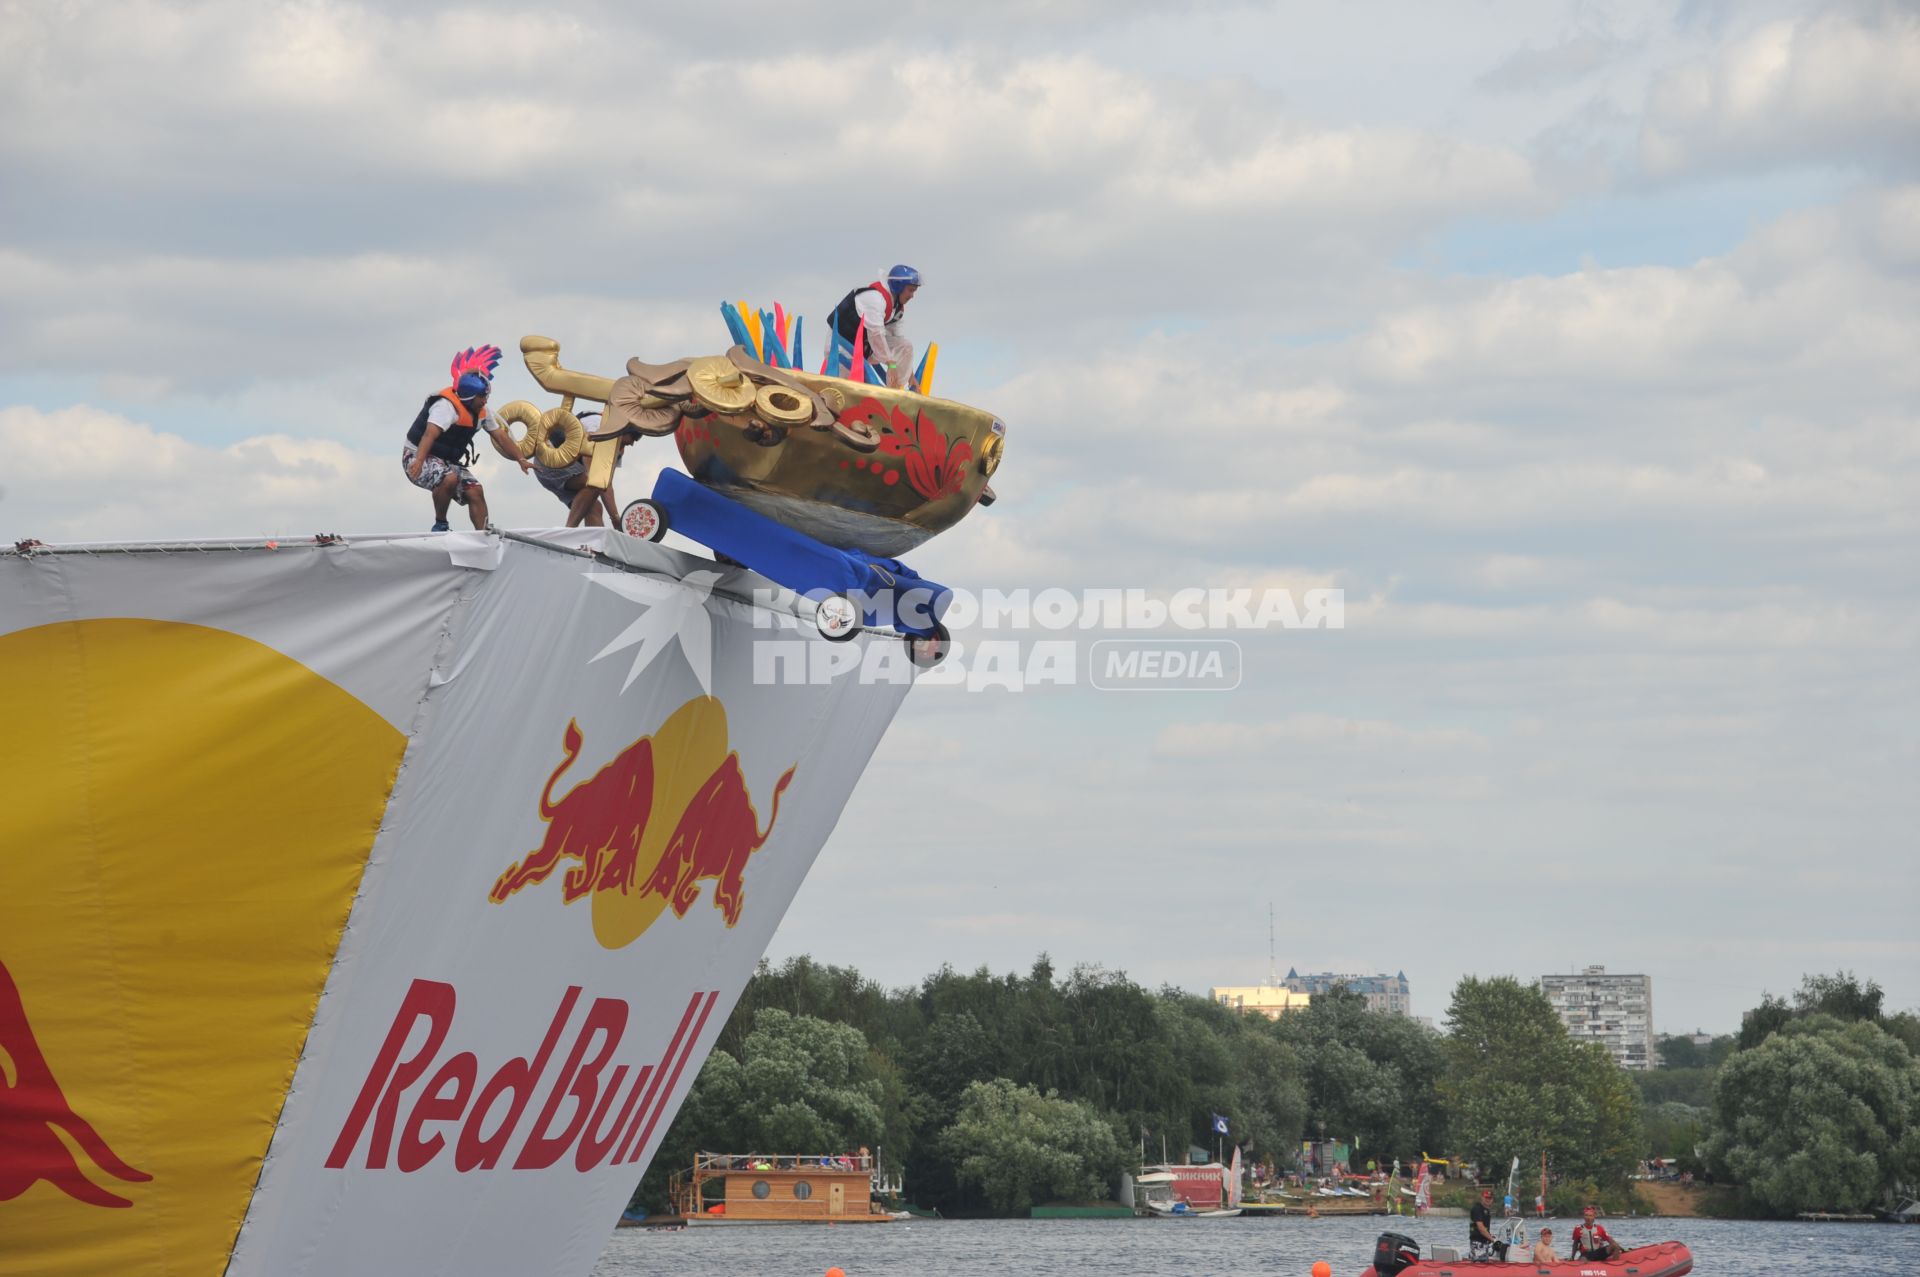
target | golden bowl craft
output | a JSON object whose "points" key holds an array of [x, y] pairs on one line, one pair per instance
{"points": [[872, 468]]}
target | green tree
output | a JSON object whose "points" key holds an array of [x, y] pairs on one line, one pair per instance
{"points": [[1017, 1147], [953, 1053], [1905, 1027], [801, 1085], [1761, 1023], [1676, 1086], [1370, 1075], [1600, 1136], [1516, 1086], [1673, 1130], [797, 1085], [1685, 1053], [1840, 995], [801, 986], [1822, 1114], [1268, 1108]]}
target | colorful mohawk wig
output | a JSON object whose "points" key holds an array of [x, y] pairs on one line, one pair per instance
{"points": [[480, 360]]}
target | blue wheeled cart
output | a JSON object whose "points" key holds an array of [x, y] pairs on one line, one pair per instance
{"points": [[849, 589]]}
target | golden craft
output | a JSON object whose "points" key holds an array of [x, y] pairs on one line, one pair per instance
{"points": [[856, 466]]}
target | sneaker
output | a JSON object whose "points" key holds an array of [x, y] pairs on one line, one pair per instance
{"points": [[439, 527]]}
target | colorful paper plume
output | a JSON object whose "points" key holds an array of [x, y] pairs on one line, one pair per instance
{"points": [[476, 359], [736, 326], [923, 379]]}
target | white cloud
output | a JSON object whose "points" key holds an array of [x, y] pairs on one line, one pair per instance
{"points": [[1200, 741], [1531, 69], [92, 475], [1841, 85]]}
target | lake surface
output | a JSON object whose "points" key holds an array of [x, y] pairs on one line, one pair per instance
{"points": [[1191, 1248]]}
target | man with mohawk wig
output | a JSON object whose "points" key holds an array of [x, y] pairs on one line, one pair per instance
{"points": [[439, 444]]}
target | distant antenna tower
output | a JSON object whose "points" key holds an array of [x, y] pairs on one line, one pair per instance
{"points": [[1273, 971]]}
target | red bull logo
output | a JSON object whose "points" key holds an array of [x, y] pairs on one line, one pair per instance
{"points": [[670, 812], [34, 1114], [592, 1115]]}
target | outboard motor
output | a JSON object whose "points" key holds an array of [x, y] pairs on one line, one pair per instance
{"points": [[1393, 1253]]}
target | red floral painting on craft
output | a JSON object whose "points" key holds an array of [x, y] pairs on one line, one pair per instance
{"points": [[934, 464]]}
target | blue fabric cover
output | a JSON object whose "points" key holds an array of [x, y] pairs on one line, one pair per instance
{"points": [[796, 560]]}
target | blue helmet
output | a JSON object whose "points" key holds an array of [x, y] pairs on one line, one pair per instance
{"points": [[901, 277], [471, 385]]}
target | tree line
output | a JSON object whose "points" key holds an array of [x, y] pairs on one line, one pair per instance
{"points": [[1814, 1105], [994, 1092]]}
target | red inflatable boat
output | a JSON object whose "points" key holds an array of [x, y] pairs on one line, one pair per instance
{"points": [[1662, 1259]]}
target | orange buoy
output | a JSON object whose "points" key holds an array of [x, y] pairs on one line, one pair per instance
{"points": [[836, 1272], [1321, 1268]]}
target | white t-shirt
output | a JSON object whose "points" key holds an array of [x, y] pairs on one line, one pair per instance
{"points": [[442, 415], [883, 337], [871, 305]]}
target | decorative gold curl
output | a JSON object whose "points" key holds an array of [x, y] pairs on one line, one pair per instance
{"points": [[536, 441], [720, 387], [990, 450], [549, 455], [523, 414], [778, 406]]}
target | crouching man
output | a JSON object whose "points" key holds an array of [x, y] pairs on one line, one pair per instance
{"points": [[439, 444]]}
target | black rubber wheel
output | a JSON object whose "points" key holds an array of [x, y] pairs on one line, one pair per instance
{"points": [[645, 519], [927, 650]]}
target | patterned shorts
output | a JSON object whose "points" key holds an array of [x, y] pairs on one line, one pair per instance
{"points": [[555, 481], [434, 471]]}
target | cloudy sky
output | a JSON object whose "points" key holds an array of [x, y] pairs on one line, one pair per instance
{"points": [[1575, 342]]}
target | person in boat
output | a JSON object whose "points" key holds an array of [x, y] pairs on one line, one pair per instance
{"points": [[1590, 1239], [439, 443], [1543, 1249], [873, 311], [1481, 1245]]}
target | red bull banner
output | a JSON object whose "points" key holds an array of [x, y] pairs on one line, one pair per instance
{"points": [[369, 905]]}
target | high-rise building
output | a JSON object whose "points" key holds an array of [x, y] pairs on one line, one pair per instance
{"points": [[1614, 1010], [1269, 1000], [1382, 992]]}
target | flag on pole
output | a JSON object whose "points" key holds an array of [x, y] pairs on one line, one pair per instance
{"points": [[1219, 1125]]}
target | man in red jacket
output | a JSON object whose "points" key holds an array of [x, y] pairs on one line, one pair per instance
{"points": [[1590, 1240]]}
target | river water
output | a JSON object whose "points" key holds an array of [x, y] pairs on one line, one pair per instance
{"points": [[1190, 1248]]}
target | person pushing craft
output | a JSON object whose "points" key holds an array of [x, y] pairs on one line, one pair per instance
{"points": [[439, 443]]}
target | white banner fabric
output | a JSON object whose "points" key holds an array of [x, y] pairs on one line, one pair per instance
{"points": [[585, 853]]}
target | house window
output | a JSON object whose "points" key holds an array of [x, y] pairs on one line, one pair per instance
{"points": [[761, 1189], [802, 1189]]}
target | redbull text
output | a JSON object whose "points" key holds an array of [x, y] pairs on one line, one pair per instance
{"points": [[582, 1087]]}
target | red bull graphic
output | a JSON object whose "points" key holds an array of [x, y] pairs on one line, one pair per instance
{"points": [[671, 811], [34, 1113], [598, 824], [489, 1116]]}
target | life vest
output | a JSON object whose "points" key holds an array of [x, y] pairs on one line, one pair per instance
{"points": [[846, 320], [455, 439]]}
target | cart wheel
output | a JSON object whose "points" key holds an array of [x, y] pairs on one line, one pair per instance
{"points": [[836, 617], [646, 519], [927, 650]]}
